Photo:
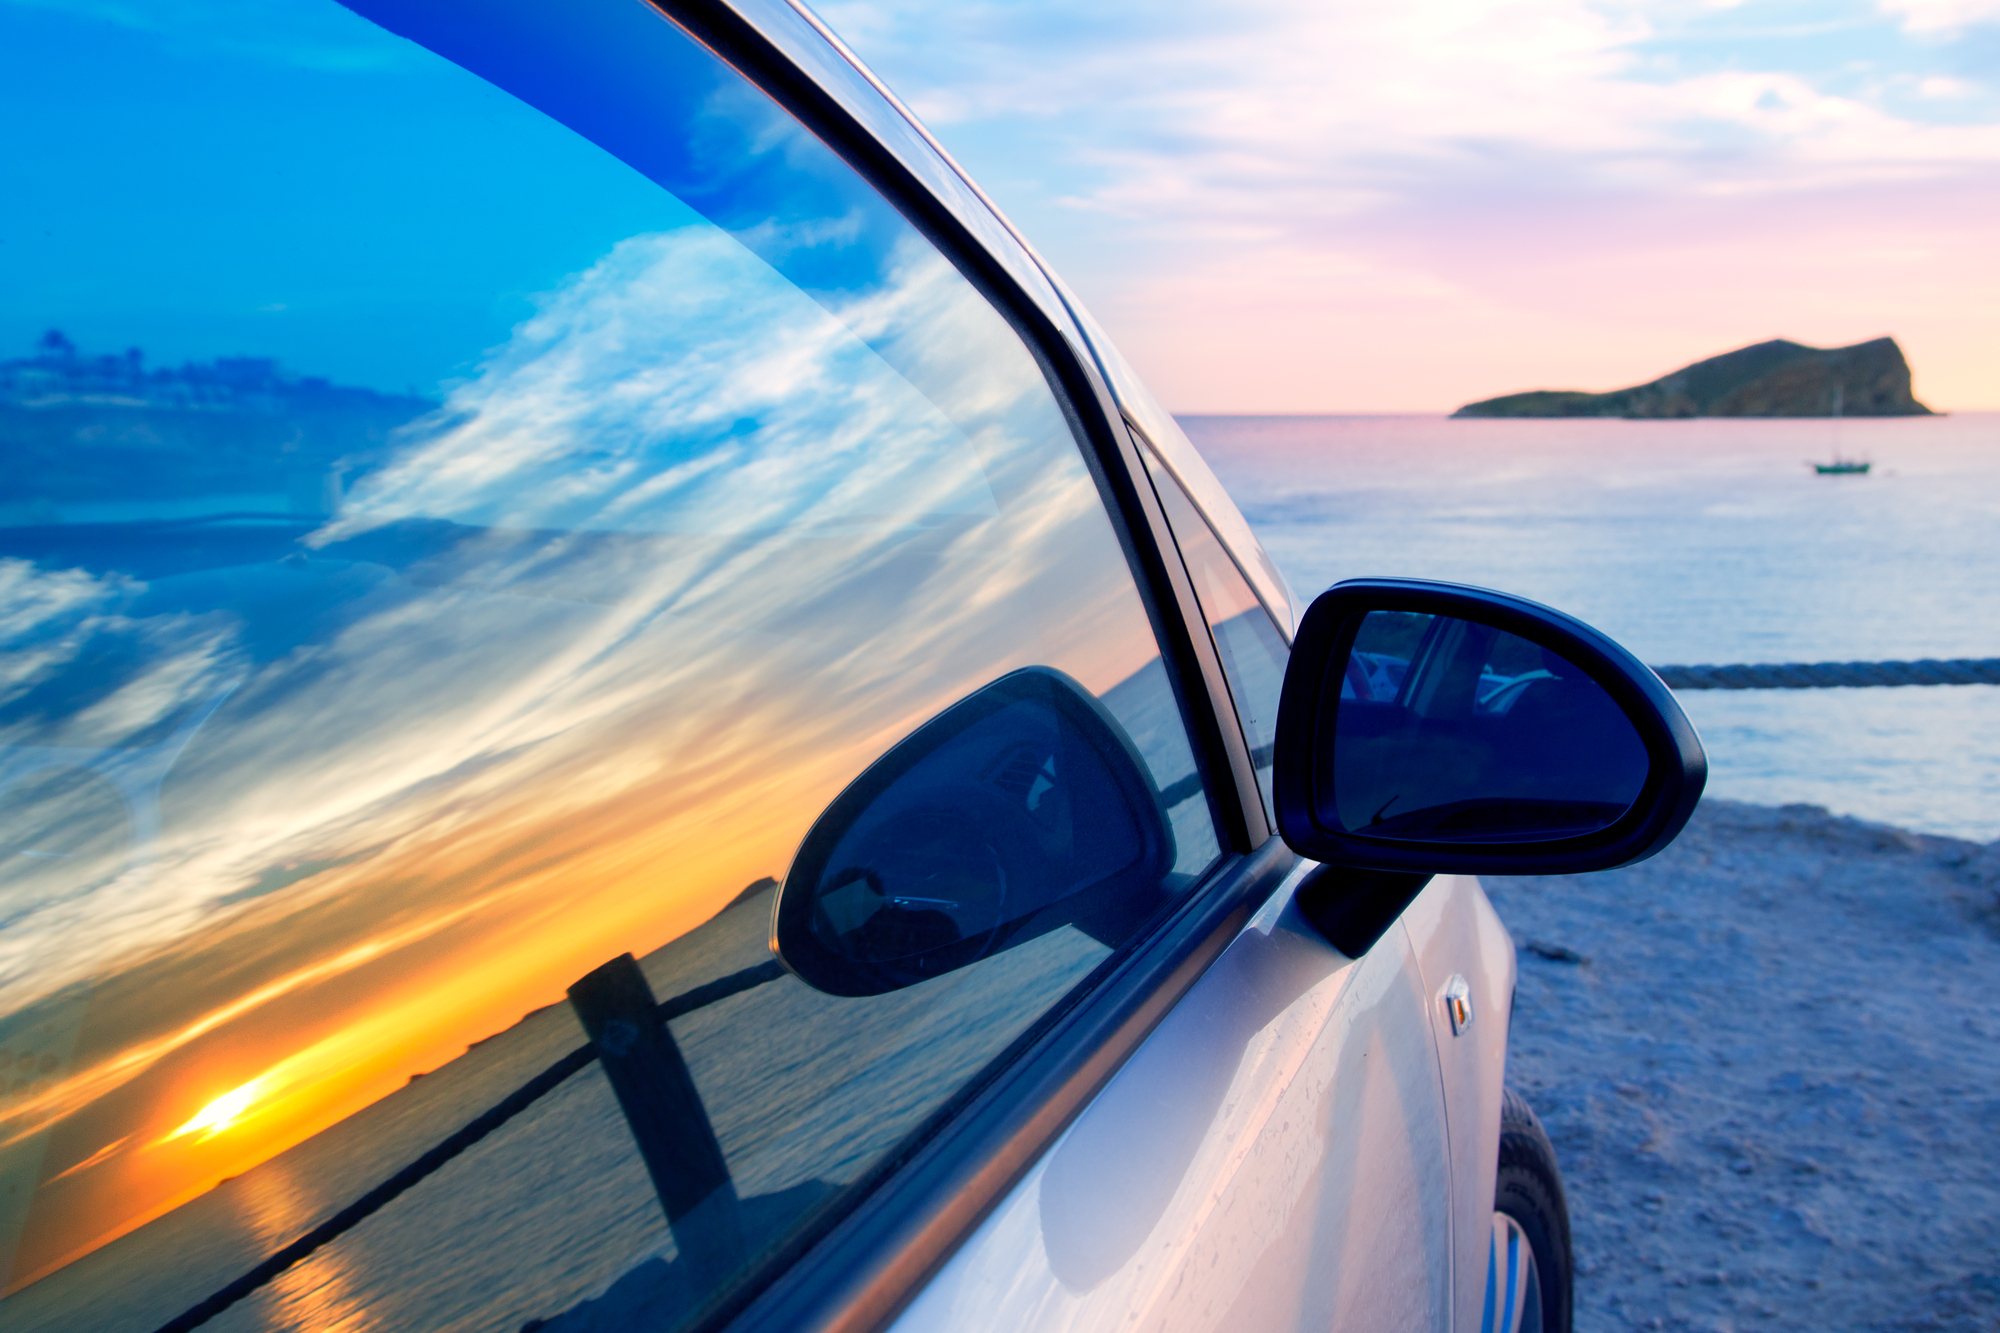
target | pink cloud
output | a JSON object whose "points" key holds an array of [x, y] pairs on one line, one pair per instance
{"points": [[1290, 207]]}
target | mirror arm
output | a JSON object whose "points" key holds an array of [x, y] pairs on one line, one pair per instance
{"points": [[1352, 907]]}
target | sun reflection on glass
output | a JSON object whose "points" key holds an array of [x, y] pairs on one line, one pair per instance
{"points": [[219, 1114]]}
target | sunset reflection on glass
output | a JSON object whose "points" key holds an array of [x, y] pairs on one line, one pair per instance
{"points": [[221, 1113]]}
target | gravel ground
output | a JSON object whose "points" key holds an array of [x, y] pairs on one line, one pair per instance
{"points": [[1769, 1059]]}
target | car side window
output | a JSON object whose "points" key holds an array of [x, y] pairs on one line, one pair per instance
{"points": [[483, 480], [1247, 640]]}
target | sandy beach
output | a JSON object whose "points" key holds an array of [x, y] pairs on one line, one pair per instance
{"points": [[1770, 1063]]}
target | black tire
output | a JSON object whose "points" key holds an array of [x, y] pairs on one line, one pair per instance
{"points": [[1530, 1190]]}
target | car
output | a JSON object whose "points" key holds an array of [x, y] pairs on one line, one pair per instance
{"points": [[770, 788]]}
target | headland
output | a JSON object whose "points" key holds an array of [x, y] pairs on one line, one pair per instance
{"points": [[1778, 378]]}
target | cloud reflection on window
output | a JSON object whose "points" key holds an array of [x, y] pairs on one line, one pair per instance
{"points": [[681, 385]]}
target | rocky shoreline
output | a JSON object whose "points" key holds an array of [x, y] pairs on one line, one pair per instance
{"points": [[1770, 1063]]}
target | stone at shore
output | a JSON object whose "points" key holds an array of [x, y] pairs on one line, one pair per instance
{"points": [[1768, 379]]}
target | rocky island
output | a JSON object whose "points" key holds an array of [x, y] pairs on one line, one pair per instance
{"points": [[1778, 378]]}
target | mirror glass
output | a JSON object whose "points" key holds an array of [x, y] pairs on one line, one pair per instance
{"points": [[1018, 810], [1456, 731]]}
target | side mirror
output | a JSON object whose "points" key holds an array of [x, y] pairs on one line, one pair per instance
{"points": [[1020, 809], [1432, 728]]}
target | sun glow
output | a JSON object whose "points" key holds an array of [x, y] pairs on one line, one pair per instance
{"points": [[221, 1113]]}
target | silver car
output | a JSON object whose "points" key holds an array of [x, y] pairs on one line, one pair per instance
{"points": [[624, 717]]}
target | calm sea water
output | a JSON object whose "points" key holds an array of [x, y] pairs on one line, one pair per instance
{"points": [[1692, 542]]}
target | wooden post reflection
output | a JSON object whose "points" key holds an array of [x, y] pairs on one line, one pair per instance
{"points": [[668, 1120]]}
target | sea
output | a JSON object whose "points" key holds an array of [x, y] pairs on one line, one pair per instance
{"points": [[1691, 542]]}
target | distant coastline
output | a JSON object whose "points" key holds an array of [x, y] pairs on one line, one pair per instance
{"points": [[1778, 378], [86, 437]]}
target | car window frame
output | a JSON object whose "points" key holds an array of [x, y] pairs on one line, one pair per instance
{"points": [[856, 1270], [1202, 527]]}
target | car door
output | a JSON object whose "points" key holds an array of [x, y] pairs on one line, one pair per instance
{"points": [[561, 465]]}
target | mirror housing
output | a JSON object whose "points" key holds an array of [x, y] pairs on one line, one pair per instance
{"points": [[1606, 797], [1022, 808]]}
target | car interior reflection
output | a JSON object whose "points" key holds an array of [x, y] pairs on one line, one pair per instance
{"points": [[1451, 729]]}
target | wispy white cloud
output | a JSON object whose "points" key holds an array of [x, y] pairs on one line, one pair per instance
{"points": [[1227, 182], [1942, 15], [679, 385], [1219, 111]]}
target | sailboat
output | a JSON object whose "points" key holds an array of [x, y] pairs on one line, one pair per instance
{"points": [[1840, 466]]}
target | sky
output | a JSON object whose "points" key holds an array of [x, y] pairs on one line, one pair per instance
{"points": [[1301, 206], [1274, 205]]}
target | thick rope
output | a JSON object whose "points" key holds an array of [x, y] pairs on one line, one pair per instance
{"points": [[1831, 675]]}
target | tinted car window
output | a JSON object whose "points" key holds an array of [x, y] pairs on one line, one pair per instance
{"points": [[477, 492], [1252, 651]]}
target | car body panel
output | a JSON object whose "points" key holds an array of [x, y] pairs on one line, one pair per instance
{"points": [[1456, 933], [1274, 1156]]}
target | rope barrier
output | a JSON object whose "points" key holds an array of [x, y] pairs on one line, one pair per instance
{"points": [[1831, 675]]}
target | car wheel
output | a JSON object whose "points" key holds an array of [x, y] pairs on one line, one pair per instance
{"points": [[1529, 1276]]}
